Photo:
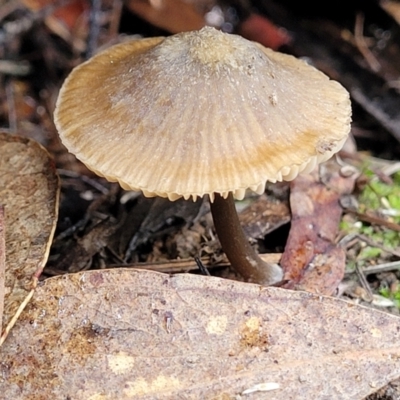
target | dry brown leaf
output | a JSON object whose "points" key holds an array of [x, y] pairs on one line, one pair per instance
{"points": [[29, 193], [127, 334], [2, 263], [265, 214]]}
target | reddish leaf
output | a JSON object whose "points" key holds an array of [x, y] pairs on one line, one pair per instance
{"points": [[172, 15], [311, 260], [261, 30]]}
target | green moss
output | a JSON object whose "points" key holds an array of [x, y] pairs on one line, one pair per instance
{"points": [[381, 196], [369, 252], [394, 296]]}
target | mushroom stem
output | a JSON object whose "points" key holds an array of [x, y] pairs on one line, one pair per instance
{"points": [[242, 256]]}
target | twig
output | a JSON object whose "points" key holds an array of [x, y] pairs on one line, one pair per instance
{"points": [[12, 114], [115, 254], [171, 267], [174, 266], [376, 269], [351, 239], [372, 219], [94, 28], [362, 45], [372, 243], [15, 68], [203, 269], [72, 229], [27, 299], [364, 283], [92, 182], [115, 18], [391, 169], [15, 317]]}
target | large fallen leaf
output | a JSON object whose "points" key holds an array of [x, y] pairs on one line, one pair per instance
{"points": [[29, 193], [127, 334]]}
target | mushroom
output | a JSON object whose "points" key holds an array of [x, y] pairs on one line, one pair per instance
{"points": [[202, 113]]}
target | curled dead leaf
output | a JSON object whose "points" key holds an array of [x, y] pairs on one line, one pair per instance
{"points": [[29, 191]]}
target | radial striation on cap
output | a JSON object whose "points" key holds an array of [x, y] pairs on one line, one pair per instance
{"points": [[199, 113]]}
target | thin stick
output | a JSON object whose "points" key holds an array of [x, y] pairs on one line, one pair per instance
{"points": [[12, 114], [376, 269], [15, 317], [362, 45], [94, 28], [203, 269], [92, 182], [351, 239], [364, 282], [175, 266], [115, 18], [237, 248], [374, 220], [372, 243]]}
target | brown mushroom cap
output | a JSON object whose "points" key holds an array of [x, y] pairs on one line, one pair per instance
{"points": [[198, 113]]}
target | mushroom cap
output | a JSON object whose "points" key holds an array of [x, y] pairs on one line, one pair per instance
{"points": [[199, 113]]}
